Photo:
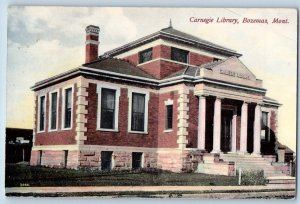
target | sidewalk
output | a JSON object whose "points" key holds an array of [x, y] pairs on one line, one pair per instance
{"points": [[80, 189]]}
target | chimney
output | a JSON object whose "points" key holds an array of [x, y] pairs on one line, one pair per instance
{"points": [[91, 43]]}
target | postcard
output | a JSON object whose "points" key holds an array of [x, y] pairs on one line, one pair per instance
{"points": [[151, 102]]}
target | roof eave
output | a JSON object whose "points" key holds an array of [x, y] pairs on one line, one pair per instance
{"points": [[271, 103], [55, 78]]}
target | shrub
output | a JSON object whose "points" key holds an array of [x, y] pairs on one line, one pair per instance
{"points": [[252, 178]]}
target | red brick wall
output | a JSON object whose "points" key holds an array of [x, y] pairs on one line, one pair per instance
{"points": [[168, 68], [161, 51], [133, 59], [91, 52], [153, 68], [92, 37], [121, 138], [192, 136], [196, 59], [273, 121], [167, 139], [161, 69], [60, 137]]}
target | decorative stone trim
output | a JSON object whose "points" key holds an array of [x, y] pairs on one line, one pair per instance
{"points": [[168, 102], [34, 120], [81, 111], [183, 108]]}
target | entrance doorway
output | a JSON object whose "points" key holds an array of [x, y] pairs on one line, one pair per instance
{"points": [[226, 129]]}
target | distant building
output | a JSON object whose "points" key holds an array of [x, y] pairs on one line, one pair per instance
{"points": [[18, 145], [169, 100]]}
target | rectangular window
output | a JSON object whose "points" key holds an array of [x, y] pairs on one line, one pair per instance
{"points": [[68, 108], [264, 126], [169, 117], [42, 112], [138, 112], [53, 111], [108, 104], [136, 160], [179, 55], [145, 55], [106, 161]]}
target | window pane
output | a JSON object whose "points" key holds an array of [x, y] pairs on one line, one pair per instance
{"points": [[138, 112], [53, 110], [179, 55], [108, 97], [42, 113], [68, 107], [169, 116], [146, 55]]}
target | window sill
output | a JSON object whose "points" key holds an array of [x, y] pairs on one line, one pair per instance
{"points": [[107, 130], [42, 131], [66, 129], [169, 130], [54, 130], [138, 132]]}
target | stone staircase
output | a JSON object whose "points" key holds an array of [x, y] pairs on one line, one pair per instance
{"points": [[251, 162]]}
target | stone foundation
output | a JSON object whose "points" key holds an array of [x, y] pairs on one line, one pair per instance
{"points": [[54, 159], [90, 159], [174, 160], [34, 158]]}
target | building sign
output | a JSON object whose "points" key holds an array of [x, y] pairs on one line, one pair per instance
{"points": [[235, 74]]}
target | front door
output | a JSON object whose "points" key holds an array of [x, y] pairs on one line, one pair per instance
{"points": [[226, 129]]}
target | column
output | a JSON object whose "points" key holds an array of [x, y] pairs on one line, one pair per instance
{"points": [[233, 136], [201, 122], [244, 126], [217, 126], [257, 129]]}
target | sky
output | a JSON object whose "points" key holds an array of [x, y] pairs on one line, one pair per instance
{"points": [[45, 41]]}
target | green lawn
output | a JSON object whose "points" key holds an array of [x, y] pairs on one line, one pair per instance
{"points": [[24, 175]]}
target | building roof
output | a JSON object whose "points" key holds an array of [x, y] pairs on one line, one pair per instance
{"points": [[170, 30], [118, 66], [271, 101], [188, 71], [172, 34], [211, 65]]}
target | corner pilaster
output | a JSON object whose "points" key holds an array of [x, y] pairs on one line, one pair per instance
{"points": [[183, 109], [81, 110]]}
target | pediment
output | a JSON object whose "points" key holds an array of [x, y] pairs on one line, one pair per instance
{"points": [[234, 68]]}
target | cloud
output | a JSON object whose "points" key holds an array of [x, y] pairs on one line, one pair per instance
{"points": [[66, 24]]}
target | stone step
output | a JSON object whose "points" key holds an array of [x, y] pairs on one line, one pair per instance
{"points": [[281, 180], [253, 162]]}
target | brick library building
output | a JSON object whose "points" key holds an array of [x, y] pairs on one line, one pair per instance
{"points": [[169, 100]]}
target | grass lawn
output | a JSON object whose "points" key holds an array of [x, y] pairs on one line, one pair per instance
{"points": [[17, 175]]}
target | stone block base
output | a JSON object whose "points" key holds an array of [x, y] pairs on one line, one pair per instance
{"points": [[174, 160], [55, 158], [213, 165], [222, 168]]}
